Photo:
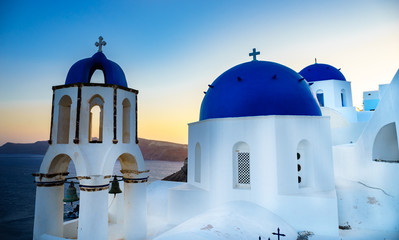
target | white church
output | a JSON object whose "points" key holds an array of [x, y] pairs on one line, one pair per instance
{"points": [[275, 154]]}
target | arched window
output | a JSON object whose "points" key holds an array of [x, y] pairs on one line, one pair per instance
{"points": [[96, 119], [303, 164], [197, 173], [241, 162], [97, 76], [343, 100], [385, 147], [64, 116], [320, 97], [126, 121]]}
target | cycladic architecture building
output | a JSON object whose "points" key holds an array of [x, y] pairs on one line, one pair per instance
{"points": [[273, 150], [262, 138], [331, 88], [334, 94], [92, 125], [297, 148]]}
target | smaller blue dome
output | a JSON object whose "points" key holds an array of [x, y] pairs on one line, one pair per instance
{"points": [[81, 71], [319, 72]]}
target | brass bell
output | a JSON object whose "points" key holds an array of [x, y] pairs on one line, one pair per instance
{"points": [[115, 189], [70, 195]]}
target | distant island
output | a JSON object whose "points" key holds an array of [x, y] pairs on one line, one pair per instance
{"points": [[151, 149]]}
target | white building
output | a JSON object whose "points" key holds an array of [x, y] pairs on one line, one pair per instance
{"points": [[261, 138], [334, 94], [331, 88], [372, 98]]}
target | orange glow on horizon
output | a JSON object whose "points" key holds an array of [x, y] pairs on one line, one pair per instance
{"points": [[24, 122]]}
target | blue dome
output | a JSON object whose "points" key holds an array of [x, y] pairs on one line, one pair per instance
{"points": [[320, 72], [81, 71], [258, 88]]}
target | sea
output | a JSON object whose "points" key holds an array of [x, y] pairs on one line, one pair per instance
{"points": [[18, 191]]}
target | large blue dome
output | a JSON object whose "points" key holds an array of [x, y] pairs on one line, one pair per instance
{"points": [[320, 72], [82, 71], [258, 88]]}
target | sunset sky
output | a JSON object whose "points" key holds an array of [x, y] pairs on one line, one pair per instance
{"points": [[170, 50]]}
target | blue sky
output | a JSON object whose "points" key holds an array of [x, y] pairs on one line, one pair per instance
{"points": [[171, 49]]}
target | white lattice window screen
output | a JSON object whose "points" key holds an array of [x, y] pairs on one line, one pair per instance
{"points": [[244, 176]]}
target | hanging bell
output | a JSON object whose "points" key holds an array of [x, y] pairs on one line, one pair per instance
{"points": [[70, 195], [115, 189]]}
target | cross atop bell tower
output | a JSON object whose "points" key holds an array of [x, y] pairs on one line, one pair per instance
{"points": [[100, 43]]}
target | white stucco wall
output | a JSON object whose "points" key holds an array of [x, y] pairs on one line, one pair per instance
{"points": [[273, 144], [387, 112], [355, 162]]}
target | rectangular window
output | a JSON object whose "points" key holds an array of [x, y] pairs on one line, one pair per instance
{"points": [[126, 121], [243, 168], [64, 115], [342, 100], [197, 176], [320, 98]]}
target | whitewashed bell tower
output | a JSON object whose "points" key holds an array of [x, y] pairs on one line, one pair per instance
{"points": [[92, 124]]}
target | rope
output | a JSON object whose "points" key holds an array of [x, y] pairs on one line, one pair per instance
{"points": [[112, 201], [375, 188]]}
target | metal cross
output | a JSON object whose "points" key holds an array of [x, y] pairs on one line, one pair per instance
{"points": [[100, 43], [278, 234], [254, 53]]}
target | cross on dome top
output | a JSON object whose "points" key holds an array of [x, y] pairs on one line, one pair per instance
{"points": [[253, 54], [100, 44]]}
